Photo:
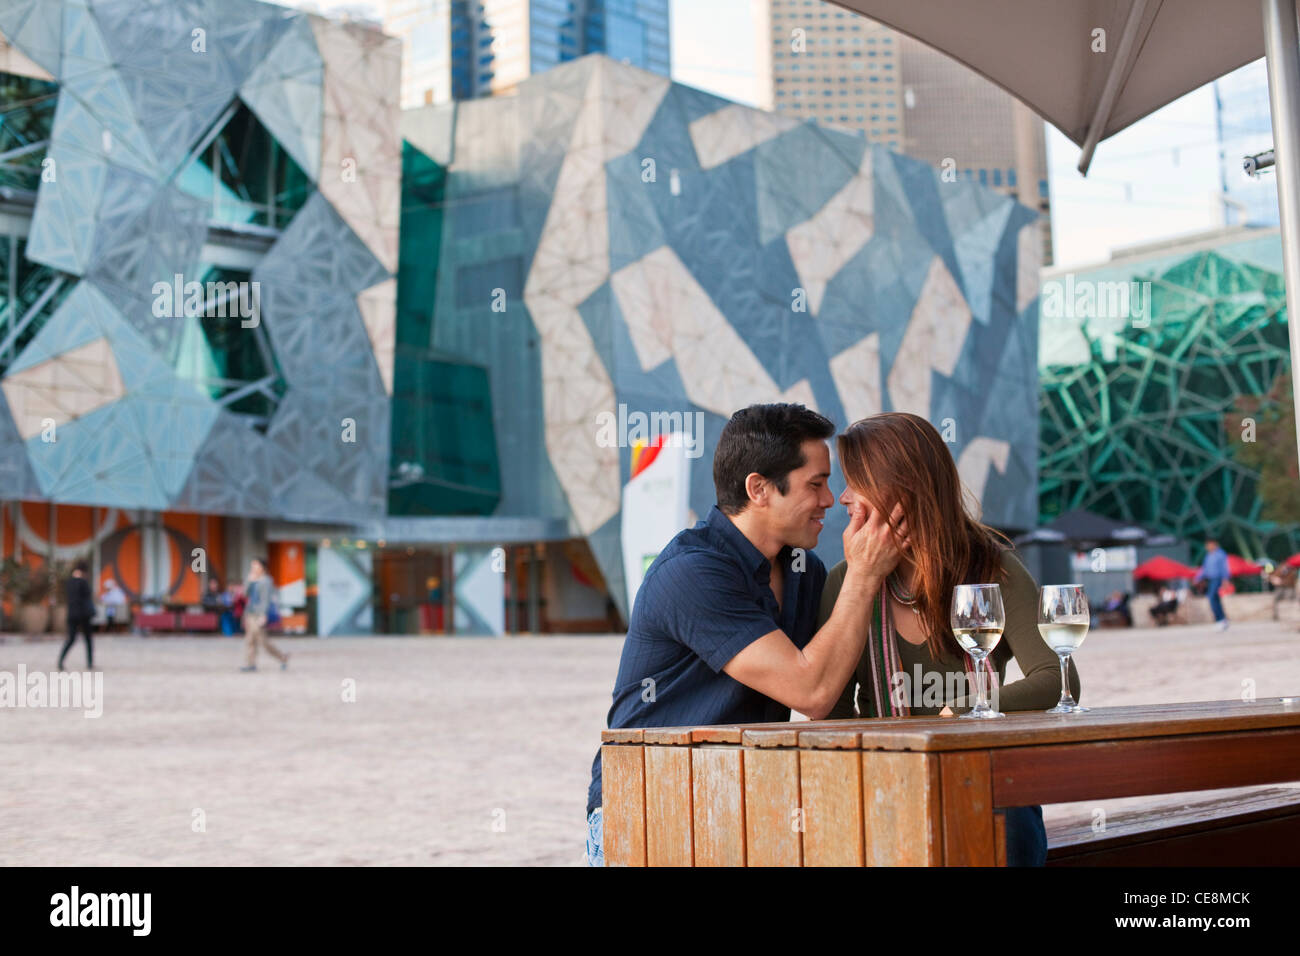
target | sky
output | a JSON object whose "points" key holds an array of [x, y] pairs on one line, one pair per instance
{"points": [[1155, 180]]}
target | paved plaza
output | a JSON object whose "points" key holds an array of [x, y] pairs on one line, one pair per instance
{"points": [[451, 751]]}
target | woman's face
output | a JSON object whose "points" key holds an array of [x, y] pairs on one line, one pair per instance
{"points": [[851, 499]]}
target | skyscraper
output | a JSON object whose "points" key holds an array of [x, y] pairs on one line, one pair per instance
{"points": [[462, 49], [825, 63]]}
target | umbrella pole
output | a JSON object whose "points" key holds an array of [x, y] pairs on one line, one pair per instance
{"points": [[1282, 47]]}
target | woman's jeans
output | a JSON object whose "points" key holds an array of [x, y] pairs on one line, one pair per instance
{"points": [[1026, 836]]}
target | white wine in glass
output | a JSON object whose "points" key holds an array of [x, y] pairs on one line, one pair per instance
{"points": [[1063, 619], [977, 621]]}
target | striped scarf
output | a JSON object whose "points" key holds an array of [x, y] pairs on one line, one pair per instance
{"points": [[882, 652]]}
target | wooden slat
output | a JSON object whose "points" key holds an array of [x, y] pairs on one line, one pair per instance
{"points": [[829, 739], [623, 799], [668, 819], [901, 800], [1103, 723], [668, 736], [622, 735], [830, 790], [967, 809], [786, 736], [718, 805], [1000, 838], [1062, 773], [716, 735], [773, 829]]}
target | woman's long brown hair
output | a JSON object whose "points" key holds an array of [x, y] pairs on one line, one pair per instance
{"points": [[899, 458]]}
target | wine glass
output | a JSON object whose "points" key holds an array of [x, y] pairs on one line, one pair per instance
{"points": [[977, 622], [1063, 619]]}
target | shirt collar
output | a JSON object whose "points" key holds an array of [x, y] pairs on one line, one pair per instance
{"points": [[753, 561]]}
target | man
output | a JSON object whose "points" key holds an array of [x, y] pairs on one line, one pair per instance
{"points": [[1165, 609], [81, 611], [114, 600], [722, 628], [257, 591], [1214, 571]]}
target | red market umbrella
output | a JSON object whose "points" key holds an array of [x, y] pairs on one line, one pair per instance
{"points": [[1161, 568], [1238, 566], [1293, 561]]}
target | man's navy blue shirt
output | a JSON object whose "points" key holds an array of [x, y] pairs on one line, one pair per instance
{"points": [[707, 597]]}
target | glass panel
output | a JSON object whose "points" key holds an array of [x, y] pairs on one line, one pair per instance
{"points": [[246, 175], [26, 118], [234, 365], [22, 283], [444, 453]]}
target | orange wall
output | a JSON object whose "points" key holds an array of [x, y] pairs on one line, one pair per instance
{"points": [[121, 545]]}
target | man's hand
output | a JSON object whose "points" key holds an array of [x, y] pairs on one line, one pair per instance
{"points": [[871, 545]]}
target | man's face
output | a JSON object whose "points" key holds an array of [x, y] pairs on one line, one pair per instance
{"points": [[797, 515], [1211, 546]]}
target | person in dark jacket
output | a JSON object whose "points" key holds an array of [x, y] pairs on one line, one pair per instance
{"points": [[81, 611]]}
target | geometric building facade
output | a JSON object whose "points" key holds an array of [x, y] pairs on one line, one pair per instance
{"points": [[616, 243], [1149, 410], [215, 208], [250, 307]]}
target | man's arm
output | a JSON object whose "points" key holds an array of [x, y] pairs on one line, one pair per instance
{"points": [[811, 680]]}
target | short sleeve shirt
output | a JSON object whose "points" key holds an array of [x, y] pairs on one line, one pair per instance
{"points": [[707, 597]]}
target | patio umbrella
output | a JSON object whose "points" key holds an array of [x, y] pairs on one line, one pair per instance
{"points": [[1237, 565], [1161, 568], [1093, 67], [1293, 561]]}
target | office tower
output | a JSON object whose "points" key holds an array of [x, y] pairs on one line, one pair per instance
{"points": [[462, 49], [1245, 126], [825, 63]]}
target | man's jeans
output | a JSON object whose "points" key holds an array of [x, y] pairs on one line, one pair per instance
{"points": [[595, 838], [1212, 592], [1026, 837]]}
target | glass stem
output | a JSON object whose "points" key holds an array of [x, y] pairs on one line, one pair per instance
{"points": [[1066, 696], [981, 703]]}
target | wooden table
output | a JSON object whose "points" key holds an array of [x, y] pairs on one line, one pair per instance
{"points": [[923, 791]]}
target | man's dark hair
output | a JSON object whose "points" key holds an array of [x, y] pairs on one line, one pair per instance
{"points": [[81, 566], [766, 439]]}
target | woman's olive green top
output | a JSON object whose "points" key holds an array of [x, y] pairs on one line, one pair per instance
{"points": [[930, 683]]}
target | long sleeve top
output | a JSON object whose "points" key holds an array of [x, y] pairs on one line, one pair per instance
{"points": [[1215, 565], [1039, 689], [81, 603], [257, 593]]}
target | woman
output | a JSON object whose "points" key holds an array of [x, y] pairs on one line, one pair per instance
{"points": [[912, 665]]}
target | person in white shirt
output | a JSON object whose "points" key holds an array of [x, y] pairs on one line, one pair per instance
{"points": [[114, 600]]}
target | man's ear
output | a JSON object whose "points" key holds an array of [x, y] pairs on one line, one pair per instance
{"points": [[756, 488]]}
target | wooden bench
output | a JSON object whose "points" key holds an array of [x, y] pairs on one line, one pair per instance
{"points": [[931, 791], [1185, 832]]}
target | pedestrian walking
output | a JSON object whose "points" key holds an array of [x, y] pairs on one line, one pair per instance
{"points": [[1214, 571], [81, 611], [257, 592]]}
